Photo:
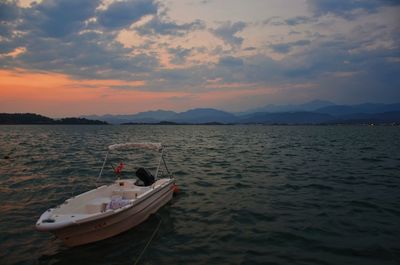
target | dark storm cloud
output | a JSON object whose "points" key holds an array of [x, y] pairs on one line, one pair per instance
{"points": [[122, 14], [227, 32]]}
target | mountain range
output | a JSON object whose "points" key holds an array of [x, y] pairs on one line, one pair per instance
{"points": [[314, 112]]}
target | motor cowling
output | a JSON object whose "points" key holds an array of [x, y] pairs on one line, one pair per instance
{"points": [[145, 176]]}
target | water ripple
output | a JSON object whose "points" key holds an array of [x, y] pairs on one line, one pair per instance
{"points": [[249, 194]]}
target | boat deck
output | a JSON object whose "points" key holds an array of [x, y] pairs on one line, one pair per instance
{"points": [[98, 203]]}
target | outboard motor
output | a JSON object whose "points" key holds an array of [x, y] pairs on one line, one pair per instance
{"points": [[145, 176]]}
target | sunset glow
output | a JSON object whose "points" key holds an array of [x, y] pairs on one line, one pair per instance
{"points": [[70, 57]]}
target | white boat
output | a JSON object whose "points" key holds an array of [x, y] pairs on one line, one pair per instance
{"points": [[110, 209]]}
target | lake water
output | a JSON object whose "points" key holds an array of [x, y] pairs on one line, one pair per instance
{"points": [[249, 194]]}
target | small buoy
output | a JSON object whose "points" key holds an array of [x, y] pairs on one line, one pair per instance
{"points": [[175, 188]]}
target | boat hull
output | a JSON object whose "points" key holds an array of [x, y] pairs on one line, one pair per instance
{"points": [[92, 231]]}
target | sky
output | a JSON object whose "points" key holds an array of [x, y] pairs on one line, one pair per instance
{"points": [[80, 57]]}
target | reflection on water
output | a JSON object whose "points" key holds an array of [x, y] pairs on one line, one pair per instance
{"points": [[249, 194]]}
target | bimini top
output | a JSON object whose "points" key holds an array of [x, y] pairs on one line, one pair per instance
{"points": [[124, 146]]}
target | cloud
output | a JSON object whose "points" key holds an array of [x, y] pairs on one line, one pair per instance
{"points": [[122, 14], [9, 11], [230, 61], [338, 54], [293, 21], [227, 32], [287, 47], [204, 2], [77, 38], [179, 54], [56, 36], [325, 58], [87, 55], [299, 20], [56, 19], [347, 9], [250, 49], [80, 39], [159, 25], [275, 20]]}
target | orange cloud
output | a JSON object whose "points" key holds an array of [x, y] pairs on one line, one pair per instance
{"points": [[15, 52]]}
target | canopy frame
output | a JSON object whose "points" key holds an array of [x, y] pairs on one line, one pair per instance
{"points": [[131, 145]]}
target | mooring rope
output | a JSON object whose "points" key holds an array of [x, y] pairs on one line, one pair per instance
{"points": [[148, 242]]}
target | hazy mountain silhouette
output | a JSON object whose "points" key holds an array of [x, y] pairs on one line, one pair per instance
{"points": [[153, 116], [287, 118], [307, 113], [370, 108], [385, 117], [308, 106], [205, 116], [200, 115]]}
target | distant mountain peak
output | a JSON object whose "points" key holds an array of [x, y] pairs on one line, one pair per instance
{"points": [[204, 110]]}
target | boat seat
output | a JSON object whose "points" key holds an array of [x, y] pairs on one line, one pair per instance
{"points": [[131, 194], [97, 205], [127, 194], [119, 192]]}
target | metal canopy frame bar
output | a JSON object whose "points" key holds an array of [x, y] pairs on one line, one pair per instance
{"points": [[154, 146]]}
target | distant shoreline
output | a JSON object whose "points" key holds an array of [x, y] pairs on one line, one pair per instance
{"points": [[260, 124], [207, 124], [36, 119]]}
